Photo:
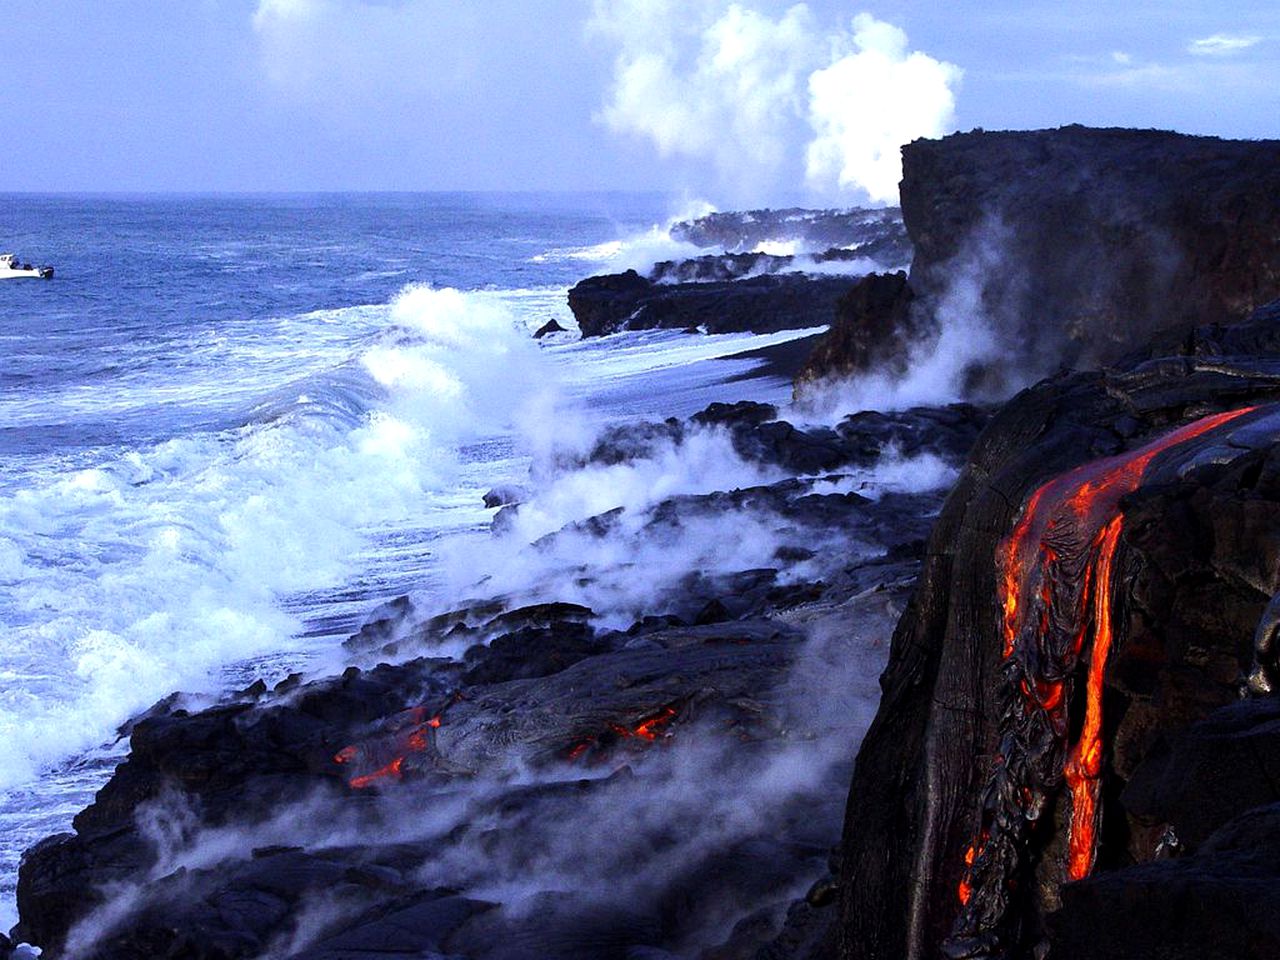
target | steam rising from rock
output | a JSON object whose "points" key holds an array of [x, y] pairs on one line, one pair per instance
{"points": [[750, 94]]}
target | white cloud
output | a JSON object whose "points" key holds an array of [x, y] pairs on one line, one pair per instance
{"points": [[760, 98], [870, 102], [279, 10], [289, 31], [1222, 44], [349, 53]]}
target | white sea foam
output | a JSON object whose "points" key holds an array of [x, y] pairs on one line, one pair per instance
{"points": [[147, 572], [641, 250], [638, 252], [778, 248], [621, 576]]}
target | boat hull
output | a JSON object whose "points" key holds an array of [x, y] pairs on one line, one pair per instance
{"points": [[35, 273]]}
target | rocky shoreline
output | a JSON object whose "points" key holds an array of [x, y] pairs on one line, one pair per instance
{"points": [[1072, 750], [544, 716]]}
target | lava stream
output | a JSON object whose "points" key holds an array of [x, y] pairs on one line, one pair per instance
{"points": [[1056, 573], [411, 732]]}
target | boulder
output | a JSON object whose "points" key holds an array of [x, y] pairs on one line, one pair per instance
{"points": [[551, 326]]}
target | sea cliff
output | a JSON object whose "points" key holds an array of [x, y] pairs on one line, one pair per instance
{"points": [[1071, 749]]}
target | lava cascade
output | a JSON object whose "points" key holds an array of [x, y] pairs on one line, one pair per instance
{"points": [[1055, 580]]}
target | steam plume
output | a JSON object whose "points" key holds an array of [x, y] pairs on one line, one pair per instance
{"points": [[753, 95]]}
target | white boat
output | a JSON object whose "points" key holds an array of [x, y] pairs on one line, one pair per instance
{"points": [[10, 268]]}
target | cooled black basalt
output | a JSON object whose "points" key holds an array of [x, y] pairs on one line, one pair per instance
{"points": [[1074, 247], [738, 231], [290, 821], [764, 304], [1198, 563], [1088, 242]]}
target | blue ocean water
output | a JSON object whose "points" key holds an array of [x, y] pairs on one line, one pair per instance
{"points": [[162, 287], [231, 426]]}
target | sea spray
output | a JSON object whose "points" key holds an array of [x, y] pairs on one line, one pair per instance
{"points": [[143, 574]]}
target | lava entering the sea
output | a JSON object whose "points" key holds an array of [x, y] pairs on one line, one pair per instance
{"points": [[1056, 575]]}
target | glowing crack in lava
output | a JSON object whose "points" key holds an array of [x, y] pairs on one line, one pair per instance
{"points": [[651, 728], [409, 732], [1056, 572]]}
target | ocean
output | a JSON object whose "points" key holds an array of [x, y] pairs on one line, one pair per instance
{"points": [[233, 426]]}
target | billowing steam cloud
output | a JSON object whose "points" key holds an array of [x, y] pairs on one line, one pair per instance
{"points": [[871, 101], [751, 94]]}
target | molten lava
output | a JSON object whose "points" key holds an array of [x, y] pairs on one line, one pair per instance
{"points": [[1056, 574], [1083, 768], [649, 729], [408, 733]]}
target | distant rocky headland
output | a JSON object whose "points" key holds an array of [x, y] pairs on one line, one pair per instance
{"points": [[743, 287], [1021, 708]]}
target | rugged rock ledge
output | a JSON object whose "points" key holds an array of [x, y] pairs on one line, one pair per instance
{"points": [[742, 231], [560, 790], [764, 304], [1101, 238], [873, 326], [963, 820], [1076, 246], [743, 289]]}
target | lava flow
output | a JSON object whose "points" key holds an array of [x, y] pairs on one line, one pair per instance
{"points": [[408, 733], [648, 729], [1056, 573]]}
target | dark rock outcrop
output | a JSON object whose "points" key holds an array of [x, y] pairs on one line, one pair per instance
{"points": [[859, 440], [740, 289], [741, 231], [961, 781], [886, 252], [1076, 246], [551, 326], [1085, 243], [1191, 783], [872, 330], [764, 304], [504, 495]]}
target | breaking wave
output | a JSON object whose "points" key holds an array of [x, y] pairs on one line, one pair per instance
{"points": [[153, 568]]}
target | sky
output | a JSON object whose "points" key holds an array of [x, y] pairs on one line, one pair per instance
{"points": [[728, 101]]}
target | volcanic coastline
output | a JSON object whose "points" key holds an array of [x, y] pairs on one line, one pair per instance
{"points": [[994, 677]]}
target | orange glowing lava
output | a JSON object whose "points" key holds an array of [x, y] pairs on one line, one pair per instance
{"points": [[649, 729], [652, 728], [1084, 766], [965, 890], [409, 733], [1056, 573]]}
